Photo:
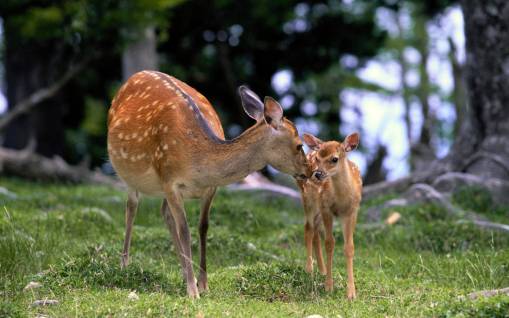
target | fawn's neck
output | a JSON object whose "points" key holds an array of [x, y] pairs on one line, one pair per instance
{"points": [[342, 181]]}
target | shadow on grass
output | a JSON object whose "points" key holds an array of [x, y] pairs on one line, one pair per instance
{"points": [[100, 267]]}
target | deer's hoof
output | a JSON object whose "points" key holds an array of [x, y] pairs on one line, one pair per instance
{"points": [[124, 262], [203, 285], [192, 292]]}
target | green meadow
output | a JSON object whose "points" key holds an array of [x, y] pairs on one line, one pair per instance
{"points": [[69, 238]]}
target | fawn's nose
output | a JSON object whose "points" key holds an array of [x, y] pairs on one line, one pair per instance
{"points": [[318, 174]]}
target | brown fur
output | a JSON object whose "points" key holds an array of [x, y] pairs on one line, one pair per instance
{"points": [[338, 193], [165, 139]]}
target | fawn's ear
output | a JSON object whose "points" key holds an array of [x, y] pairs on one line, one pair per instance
{"points": [[351, 142], [252, 104], [312, 142], [273, 112]]}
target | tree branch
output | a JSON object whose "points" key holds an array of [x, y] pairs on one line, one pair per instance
{"points": [[41, 95]]}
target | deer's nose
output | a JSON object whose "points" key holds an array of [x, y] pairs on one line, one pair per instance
{"points": [[319, 174]]}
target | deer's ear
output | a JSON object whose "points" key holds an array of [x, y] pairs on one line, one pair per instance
{"points": [[252, 104], [273, 112], [351, 142], [312, 141]]}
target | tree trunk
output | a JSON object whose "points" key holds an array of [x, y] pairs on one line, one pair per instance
{"points": [[140, 55], [482, 147], [459, 90], [27, 69]]}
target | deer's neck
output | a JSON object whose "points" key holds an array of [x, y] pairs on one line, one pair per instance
{"points": [[230, 162]]}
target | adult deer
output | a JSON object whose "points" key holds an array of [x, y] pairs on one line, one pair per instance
{"points": [[165, 139], [335, 189]]}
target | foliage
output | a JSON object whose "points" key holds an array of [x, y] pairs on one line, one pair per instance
{"points": [[69, 239], [82, 23]]}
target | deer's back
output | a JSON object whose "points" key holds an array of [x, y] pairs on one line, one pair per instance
{"points": [[154, 129]]}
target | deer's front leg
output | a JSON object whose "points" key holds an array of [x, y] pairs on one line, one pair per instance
{"points": [[176, 205], [204, 226], [329, 248], [130, 214]]}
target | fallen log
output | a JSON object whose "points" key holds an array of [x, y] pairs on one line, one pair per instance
{"points": [[29, 165]]}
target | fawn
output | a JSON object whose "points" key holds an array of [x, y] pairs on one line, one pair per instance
{"points": [[165, 139], [334, 189]]}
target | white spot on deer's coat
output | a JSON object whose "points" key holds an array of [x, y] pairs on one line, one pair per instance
{"points": [[165, 147], [123, 153], [174, 141]]}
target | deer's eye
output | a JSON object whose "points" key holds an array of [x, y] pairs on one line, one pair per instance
{"points": [[335, 159], [299, 147]]}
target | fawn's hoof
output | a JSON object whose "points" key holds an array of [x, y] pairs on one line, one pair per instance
{"points": [[351, 295], [309, 267], [329, 286]]}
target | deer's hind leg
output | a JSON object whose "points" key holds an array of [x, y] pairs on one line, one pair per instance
{"points": [[206, 202], [176, 204], [170, 224], [130, 213]]}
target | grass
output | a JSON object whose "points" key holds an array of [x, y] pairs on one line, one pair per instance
{"points": [[69, 239]]}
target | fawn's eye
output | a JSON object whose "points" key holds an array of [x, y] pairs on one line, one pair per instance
{"points": [[299, 147], [335, 159]]}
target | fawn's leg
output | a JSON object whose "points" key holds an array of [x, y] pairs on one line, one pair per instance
{"points": [[317, 245], [309, 233], [170, 224], [176, 204], [329, 248], [348, 230], [130, 214], [206, 202]]}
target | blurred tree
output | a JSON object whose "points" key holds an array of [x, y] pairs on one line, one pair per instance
{"points": [[482, 147], [213, 45], [44, 38], [237, 42]]}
